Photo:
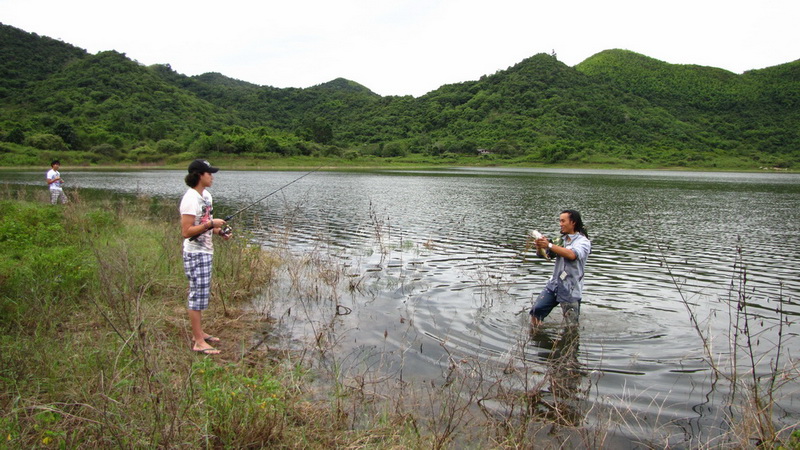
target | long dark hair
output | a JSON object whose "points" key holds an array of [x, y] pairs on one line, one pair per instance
{"points": [[575, 216], [192, 179]]}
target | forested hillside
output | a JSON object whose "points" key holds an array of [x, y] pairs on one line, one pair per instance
{"points": [[615, 108]]}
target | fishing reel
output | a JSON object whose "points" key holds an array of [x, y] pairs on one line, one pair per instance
{"points": [[225, 231]]}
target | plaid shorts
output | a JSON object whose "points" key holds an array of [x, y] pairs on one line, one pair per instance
{"points": [[56, 195], [197, 267]]}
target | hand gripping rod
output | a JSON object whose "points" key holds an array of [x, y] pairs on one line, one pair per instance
{"points": [[227, 218]]}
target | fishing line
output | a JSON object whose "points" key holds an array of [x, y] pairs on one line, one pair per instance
{"points": [[227, 228]]}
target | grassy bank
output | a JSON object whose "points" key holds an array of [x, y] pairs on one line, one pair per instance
{"points": [[94, 335], [410, 161]]}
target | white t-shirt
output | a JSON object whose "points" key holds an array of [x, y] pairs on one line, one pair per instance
{"points": [[52, 175], [200, 207]]}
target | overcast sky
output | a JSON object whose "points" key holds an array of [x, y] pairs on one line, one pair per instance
{"points": [[411, 47]]}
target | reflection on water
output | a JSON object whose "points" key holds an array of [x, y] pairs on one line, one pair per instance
{"points": [[430, 266], [565, 400]]}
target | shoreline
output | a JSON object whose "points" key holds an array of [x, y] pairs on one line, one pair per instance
{"points": [[333, 167]]}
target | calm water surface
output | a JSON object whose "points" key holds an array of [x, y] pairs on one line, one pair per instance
{"points": [[429, 269]]}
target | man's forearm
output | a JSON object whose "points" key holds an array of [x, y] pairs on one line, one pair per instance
{"points": [[562, 252]]}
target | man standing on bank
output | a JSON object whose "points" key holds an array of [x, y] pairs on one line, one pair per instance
{"points": [[55, 183], [197, 227], [565, 287]]}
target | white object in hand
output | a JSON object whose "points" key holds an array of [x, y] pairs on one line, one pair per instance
{"points": [[541, 251]]}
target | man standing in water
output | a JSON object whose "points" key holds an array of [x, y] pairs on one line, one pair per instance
{"points": [[197, 227], [565, 287]]}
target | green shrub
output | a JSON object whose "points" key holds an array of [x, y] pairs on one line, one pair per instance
{"points": [[242, 409], [168, 147], [106, 150], [24, 226], [40, 263], [46, 142]]}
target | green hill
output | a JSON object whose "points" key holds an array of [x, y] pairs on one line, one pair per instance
{"points": [[616, 107], [666, 84], [27, 57]]}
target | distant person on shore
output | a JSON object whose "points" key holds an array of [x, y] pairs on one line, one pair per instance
{"points": [[198, 227], [55, 183], [565, 287]]}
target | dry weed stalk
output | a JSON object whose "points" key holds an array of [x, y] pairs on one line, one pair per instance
{"points": [[752, 391]]}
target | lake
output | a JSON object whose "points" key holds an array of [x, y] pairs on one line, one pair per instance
{"points": [[416, 275]]}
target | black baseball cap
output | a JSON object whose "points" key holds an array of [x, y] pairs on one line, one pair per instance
{"points": [[202, 166]]}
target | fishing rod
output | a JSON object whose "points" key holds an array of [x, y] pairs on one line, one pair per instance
{"points": [[227, 229]]}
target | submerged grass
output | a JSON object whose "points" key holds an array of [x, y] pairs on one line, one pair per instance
{"points": [[96, 352]]}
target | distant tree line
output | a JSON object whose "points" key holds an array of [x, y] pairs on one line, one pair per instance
{"points": [[616, 106]]}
